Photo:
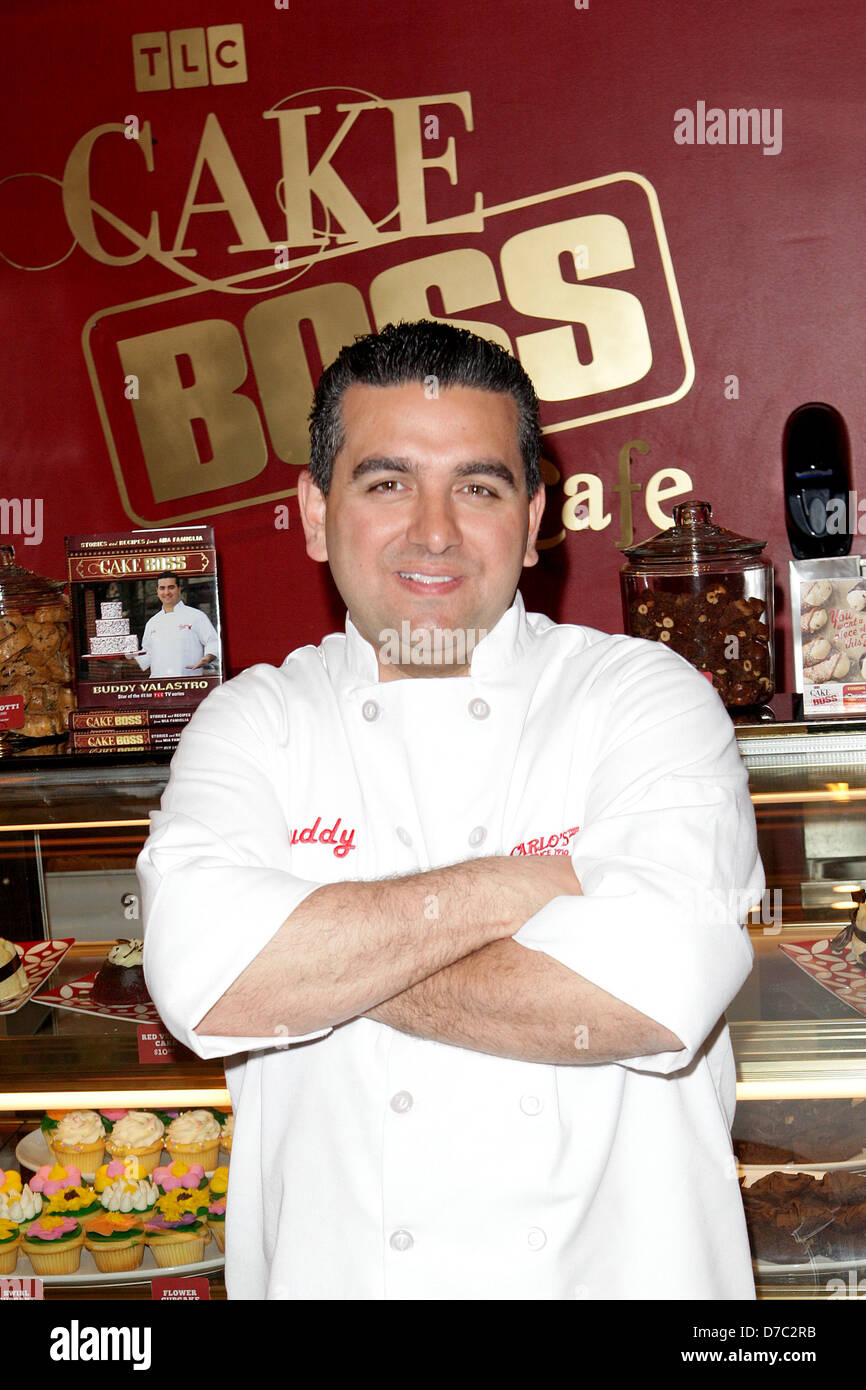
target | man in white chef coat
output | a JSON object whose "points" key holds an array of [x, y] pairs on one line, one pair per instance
{"points": [[464, 929], [177, 640]]}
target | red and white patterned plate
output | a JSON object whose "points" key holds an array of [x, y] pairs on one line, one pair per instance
{"points": [[39, 958], [838, 974], [77, 996]]}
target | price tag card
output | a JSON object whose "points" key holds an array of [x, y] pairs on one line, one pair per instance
{"points": [[185, 1290], [20, 1288], [156, 1045]]}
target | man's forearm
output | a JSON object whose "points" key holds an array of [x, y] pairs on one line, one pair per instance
{"points": [[348, 946], [512, 1002]]}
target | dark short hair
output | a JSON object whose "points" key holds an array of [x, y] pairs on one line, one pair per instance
{"points": [[404, 352], [169, 574]]}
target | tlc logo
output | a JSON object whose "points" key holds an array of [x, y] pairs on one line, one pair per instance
{"points": [[189, 58]]}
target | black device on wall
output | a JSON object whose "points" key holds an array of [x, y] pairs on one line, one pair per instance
{"points": [[816, 459]]}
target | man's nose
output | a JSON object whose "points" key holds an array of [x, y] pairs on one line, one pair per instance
{"points": [[433, 523]]}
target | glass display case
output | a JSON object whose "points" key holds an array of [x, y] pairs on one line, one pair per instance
{"points": [[799, 1023], [71, 828], [70, 831]]}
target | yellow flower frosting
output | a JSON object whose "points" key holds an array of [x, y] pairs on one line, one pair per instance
{"points": [[220, 1181]]}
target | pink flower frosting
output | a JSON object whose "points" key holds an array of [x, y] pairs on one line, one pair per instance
{"points": [[43, 1181], [36, 1231], [218, 1208], [167, 1179], [114, 1114]]}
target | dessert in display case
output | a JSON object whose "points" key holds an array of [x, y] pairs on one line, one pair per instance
{"points": [[115, 1141]]}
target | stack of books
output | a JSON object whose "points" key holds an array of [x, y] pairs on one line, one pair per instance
{"points": [[109, 730]]}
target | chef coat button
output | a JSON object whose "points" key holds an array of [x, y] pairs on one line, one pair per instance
{"points": [[401, 1240], [479, 709], [370, 710], [531, 1105], [536, 1239], [478, 836], [402, 1102], [403, 835]]}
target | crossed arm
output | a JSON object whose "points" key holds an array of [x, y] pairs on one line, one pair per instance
{"points": [[362, 949]]}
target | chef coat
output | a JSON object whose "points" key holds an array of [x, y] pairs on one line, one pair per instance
{"points": [[370, 1164], [173, 643]]}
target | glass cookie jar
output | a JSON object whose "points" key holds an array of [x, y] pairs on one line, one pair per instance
{"points": [[36, 688], [706, 593]]}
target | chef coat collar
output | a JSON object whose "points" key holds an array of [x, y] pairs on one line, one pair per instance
{"points": [[503, 645]]}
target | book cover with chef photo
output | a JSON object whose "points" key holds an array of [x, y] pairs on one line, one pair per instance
{"points": [[829, 624], [146, 623]]}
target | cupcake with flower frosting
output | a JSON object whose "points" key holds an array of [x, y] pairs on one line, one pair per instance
{"points": [[51, 1178], [179, 1174], [79, 1137], [119, 1191], [19, 1204], [53, 1244], [177, 1232], [74, 1199], [138, 1134], [62, 1191], [10, 1240], [216, 1212], [116, 1241], [194, 1137]]}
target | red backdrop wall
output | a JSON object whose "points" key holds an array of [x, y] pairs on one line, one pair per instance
{"points": [[520, 167]]}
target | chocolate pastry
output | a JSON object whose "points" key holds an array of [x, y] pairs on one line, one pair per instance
{"points": [[784, 1234], [784, 1187], [121, 979], [843, 1189]]}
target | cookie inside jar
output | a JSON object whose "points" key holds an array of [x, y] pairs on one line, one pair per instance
{"points": [[704, 592], [36, 679]]}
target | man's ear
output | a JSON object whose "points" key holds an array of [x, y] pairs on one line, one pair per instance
{"points": [[536, 512], [312, 504]]}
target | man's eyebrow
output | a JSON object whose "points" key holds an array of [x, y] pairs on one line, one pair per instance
{"points": [[489, 468]]}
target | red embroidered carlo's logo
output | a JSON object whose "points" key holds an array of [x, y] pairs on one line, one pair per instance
{"points": [[311, 835], [550, 844]]}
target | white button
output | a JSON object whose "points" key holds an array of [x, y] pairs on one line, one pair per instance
{"points": [[370, 710], [531, 1105], [479, 709], [403, 835], [402, 1102], [478, 836], [536, 1238], [401, 1240]]}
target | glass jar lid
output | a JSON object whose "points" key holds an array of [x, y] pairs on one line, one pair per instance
{"points": [[693, 536], [20, 588]]}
